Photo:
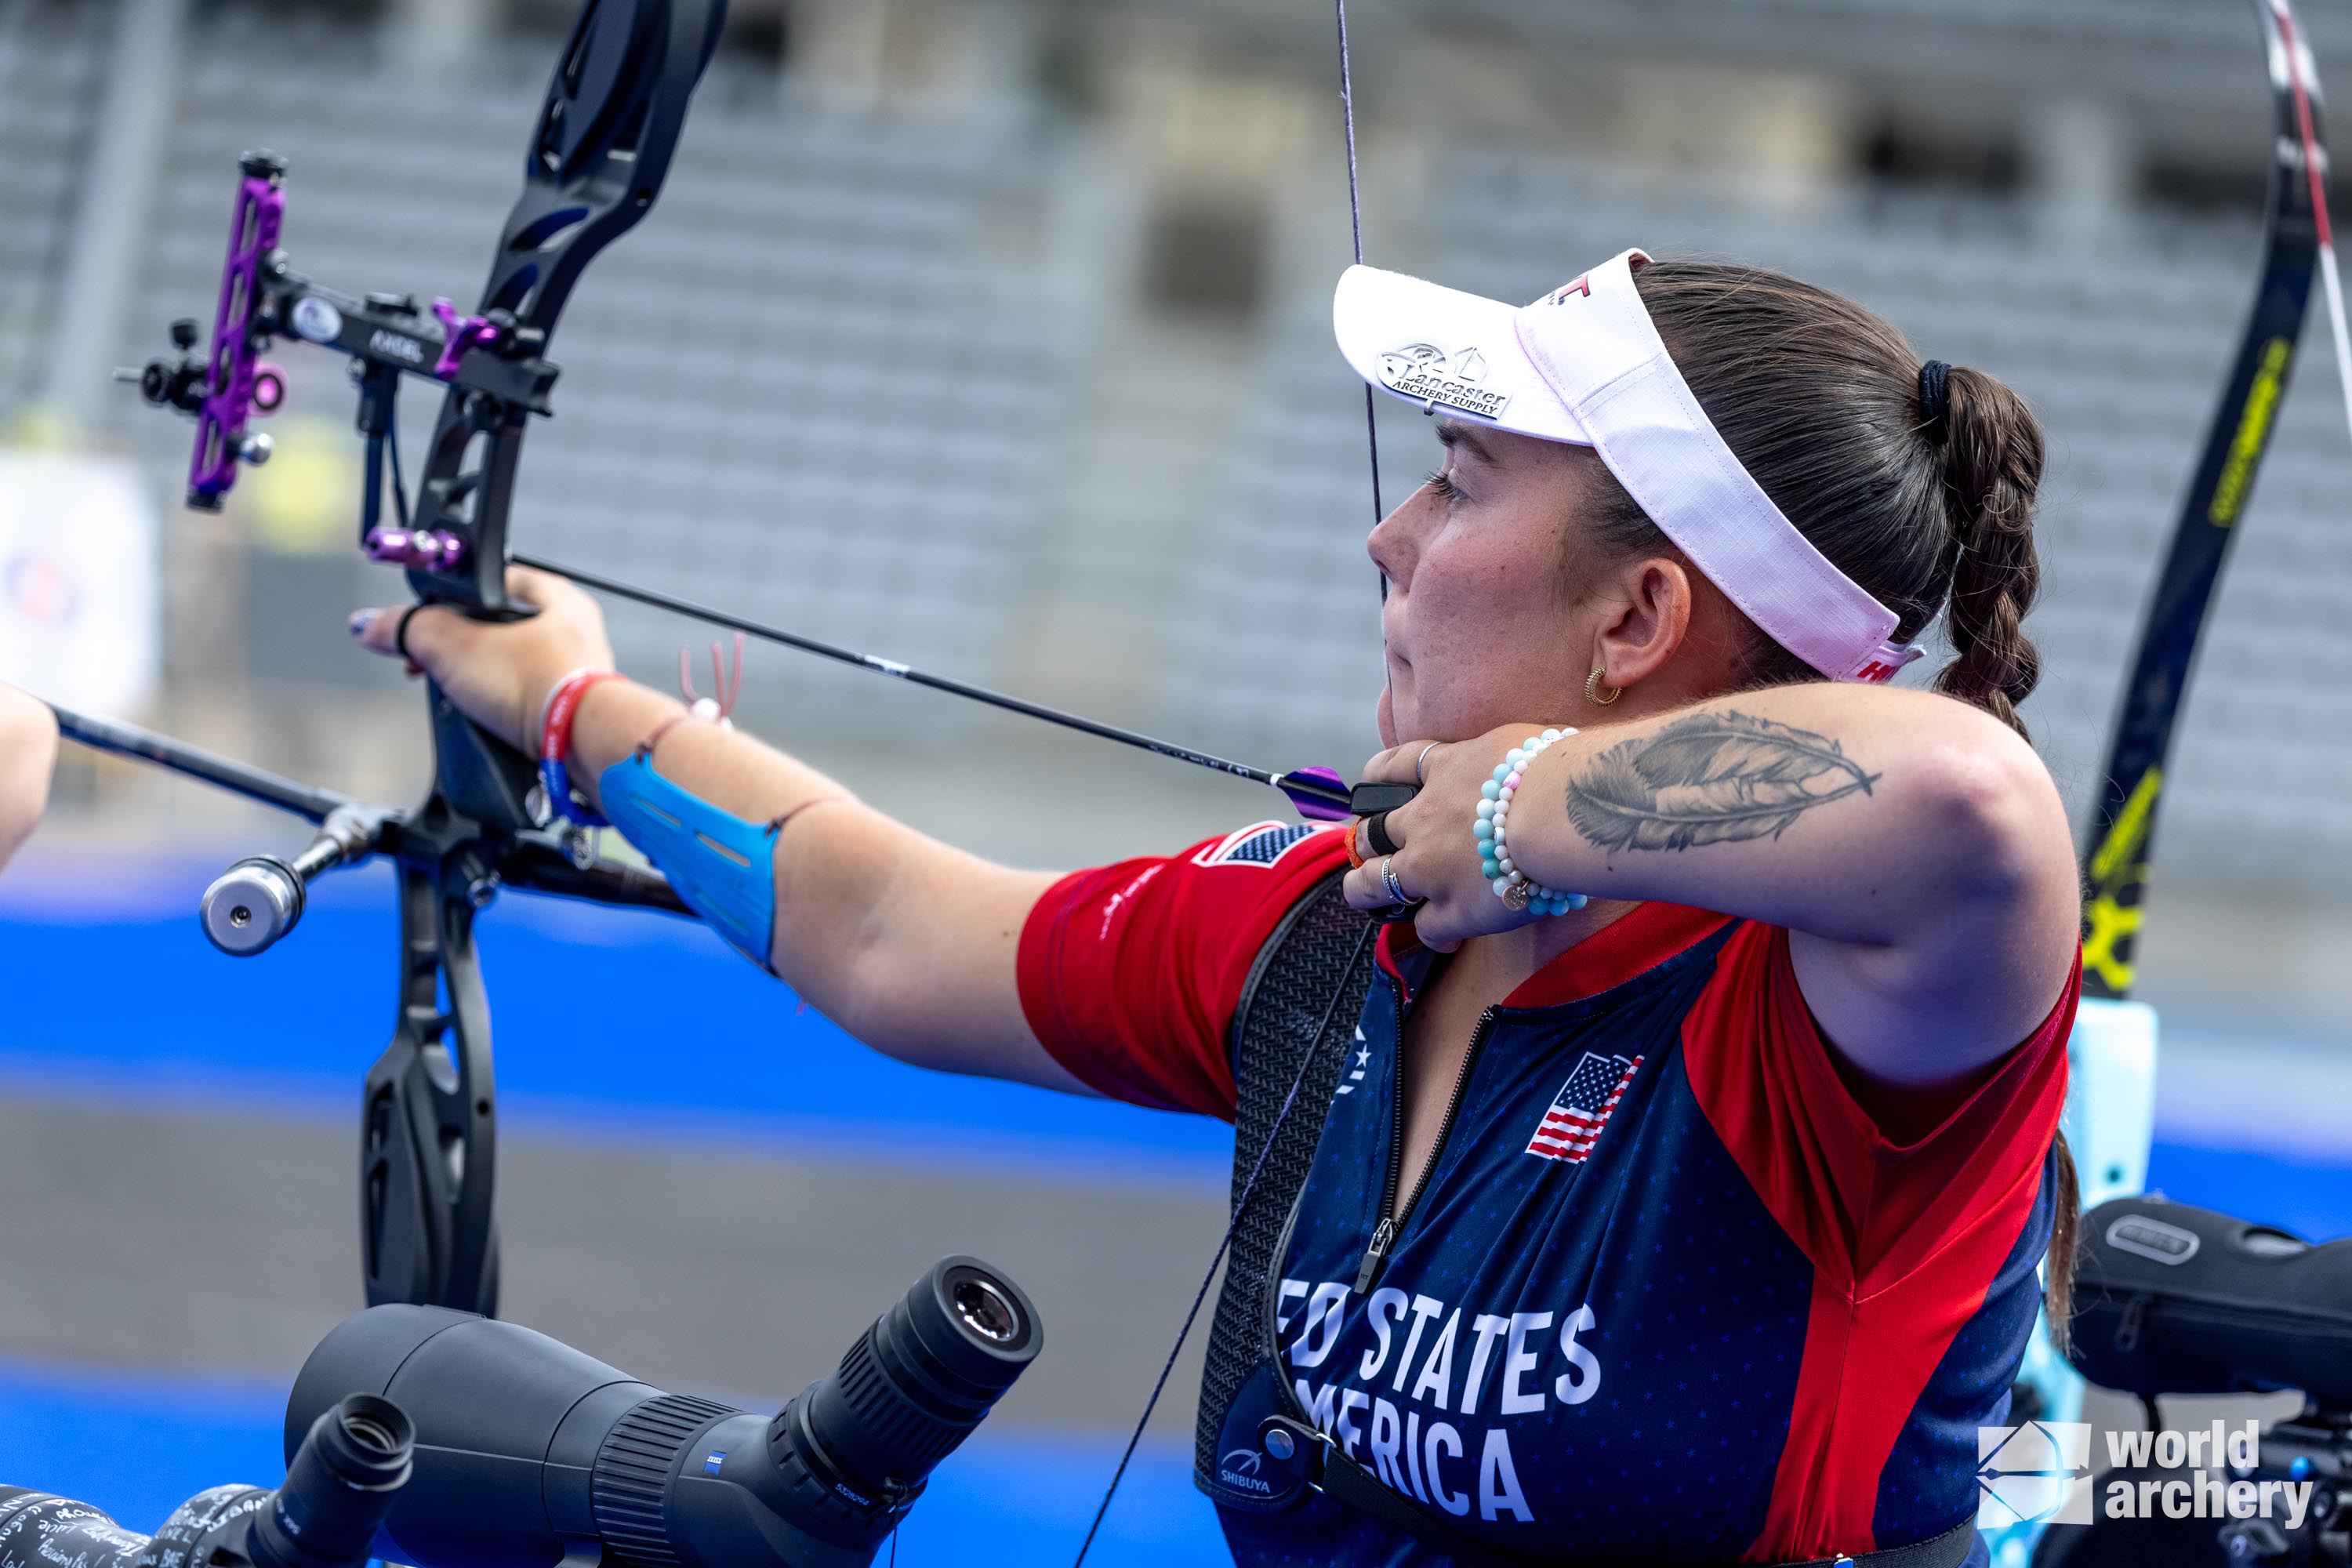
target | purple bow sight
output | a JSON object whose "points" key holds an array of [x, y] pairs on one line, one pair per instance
{"points": [[236, 371]]}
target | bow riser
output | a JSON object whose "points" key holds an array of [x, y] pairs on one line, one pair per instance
{"points": [[429, 1133], [606, 132], [600, 146]]}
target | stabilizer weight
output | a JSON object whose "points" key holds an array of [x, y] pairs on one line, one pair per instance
{"points": [[253, 904], [262, 898]]}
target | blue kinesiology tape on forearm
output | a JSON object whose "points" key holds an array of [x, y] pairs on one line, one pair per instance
{"points": [[722, 866]]}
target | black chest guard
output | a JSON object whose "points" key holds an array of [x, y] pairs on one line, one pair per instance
{"points": [[1299, 1003]]}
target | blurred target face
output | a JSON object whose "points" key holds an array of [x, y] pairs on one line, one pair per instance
{"points": [[1495, 597]]}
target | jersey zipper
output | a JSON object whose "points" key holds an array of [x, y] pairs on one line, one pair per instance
{"points": [[1384, 1234]]}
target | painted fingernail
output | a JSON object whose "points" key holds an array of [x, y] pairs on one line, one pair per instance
{"points": [[359, 622]]}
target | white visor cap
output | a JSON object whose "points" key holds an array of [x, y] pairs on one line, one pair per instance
{"points": [[1585, 364]]}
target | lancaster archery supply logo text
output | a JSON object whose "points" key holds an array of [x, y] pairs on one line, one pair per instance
{"points": [[2040, 1473], [1428, 373]]}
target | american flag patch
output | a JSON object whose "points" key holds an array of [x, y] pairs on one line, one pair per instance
{"points": [[1362, 1063], [1580, 1109], [1259, 844]]}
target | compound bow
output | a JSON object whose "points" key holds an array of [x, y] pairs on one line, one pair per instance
{"points": [[600, 147]]}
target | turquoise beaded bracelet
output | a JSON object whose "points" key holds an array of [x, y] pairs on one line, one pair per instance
{"points": [[1512, 885]]}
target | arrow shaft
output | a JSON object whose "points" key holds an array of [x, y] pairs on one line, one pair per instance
{"points": [[899, 671]]}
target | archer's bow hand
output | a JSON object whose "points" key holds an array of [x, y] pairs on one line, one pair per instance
{"points": [[28, 753], [499, 673]]}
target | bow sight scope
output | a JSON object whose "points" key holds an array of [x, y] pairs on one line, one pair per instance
{"points": [[529, 1451]]}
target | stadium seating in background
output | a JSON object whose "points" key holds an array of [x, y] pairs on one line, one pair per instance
{"points": [[50, 61]]}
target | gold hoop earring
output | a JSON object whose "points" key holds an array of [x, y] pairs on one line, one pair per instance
{"points": [[1593, 687]]}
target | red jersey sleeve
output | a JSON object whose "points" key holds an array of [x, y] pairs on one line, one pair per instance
{"points": [[1131, 973], [1870, 1191]]}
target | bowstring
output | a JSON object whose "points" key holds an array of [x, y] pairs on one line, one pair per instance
{"points": [[1307, 1058], [1372, 448], [1356, 233], [1240, 1205], [2313, 158]]}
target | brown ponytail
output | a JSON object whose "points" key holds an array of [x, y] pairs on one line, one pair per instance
{"points": [[1927, 507]]}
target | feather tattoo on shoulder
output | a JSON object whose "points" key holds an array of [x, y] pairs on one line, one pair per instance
{"points": [[1709, 778]]}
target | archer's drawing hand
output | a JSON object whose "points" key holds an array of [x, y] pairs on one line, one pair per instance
{"points": [[498, 673], [1436, 859]]}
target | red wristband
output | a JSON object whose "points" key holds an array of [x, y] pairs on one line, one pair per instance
{"points": [[555, 744], [562, 707]]}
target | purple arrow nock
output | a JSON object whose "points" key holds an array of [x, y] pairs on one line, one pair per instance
{"points": [[229, 380], [460, 333], [1316, 805], [428, 549]]}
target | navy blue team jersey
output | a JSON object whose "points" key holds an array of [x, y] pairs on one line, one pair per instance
{"points": [[1673, 1286]]}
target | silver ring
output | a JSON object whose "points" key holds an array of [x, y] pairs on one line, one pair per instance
{"points": [[1419, 762], [1388, 875]]}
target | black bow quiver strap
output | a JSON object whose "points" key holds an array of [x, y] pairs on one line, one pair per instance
{"points": [[1304, 991]]}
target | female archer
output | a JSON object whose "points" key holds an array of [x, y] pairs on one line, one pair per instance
{"points": [[1682, 1189]]}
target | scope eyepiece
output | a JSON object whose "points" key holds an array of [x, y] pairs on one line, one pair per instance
{"points": [[917, 1383], [912, 1388], [339, 1487], [339, 1484]]}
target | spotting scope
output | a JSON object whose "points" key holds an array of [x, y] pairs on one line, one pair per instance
{"points": [[426, 1436]]}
